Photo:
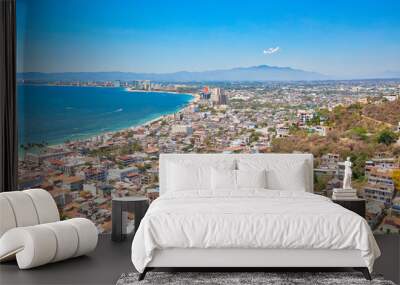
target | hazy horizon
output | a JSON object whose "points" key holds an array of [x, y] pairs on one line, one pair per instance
{"points": [[395, 75]]}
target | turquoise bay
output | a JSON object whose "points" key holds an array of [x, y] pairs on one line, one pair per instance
{"points": [[54, 114]]}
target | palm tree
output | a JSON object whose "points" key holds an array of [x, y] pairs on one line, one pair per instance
{"points": [[41, 146], [25, 148]]}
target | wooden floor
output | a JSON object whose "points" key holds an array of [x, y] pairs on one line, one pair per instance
{"points": [[111, 259]]}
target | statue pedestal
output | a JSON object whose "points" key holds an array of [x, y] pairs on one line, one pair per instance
{"points": [[344, 194]]}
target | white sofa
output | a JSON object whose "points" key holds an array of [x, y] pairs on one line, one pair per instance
{"points": [[31, 231]]}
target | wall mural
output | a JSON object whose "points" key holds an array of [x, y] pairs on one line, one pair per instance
{"points": [[105, 87]]}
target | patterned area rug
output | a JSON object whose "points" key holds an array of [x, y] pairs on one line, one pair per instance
{"points": [[240, 278]]}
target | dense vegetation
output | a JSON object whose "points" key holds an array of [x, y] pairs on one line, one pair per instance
{"points": [[352, 132]]}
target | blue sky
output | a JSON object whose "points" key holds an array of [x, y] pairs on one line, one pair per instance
{"points": [[340, 38]]}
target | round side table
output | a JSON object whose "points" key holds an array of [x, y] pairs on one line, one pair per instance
{"points": [[121, 207]]}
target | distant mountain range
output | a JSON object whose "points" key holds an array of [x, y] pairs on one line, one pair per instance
{"points": [[255, 73]]}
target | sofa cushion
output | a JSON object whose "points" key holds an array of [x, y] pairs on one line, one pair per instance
{"points": [[67, 240], [23, 208], [45, 205], [41, 244], [7, 218], [26, 208]]}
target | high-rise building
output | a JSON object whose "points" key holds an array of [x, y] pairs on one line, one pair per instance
{"points": [[147, 85], [218, 96], [215, 93], [223, 99], [205, 95], [117, 83]]}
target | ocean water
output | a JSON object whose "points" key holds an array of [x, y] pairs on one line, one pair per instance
{"points": [[54, 114]]}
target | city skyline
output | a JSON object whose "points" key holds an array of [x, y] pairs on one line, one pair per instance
{"points": [[342, 40]]}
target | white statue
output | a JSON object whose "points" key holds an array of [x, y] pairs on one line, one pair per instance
{"points": [[347, 174]]}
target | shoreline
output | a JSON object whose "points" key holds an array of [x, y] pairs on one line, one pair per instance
{"points": [[145, 123], [128, 89]]}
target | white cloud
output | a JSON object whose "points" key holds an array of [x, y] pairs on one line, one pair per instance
{"points": [[271, 50]]}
